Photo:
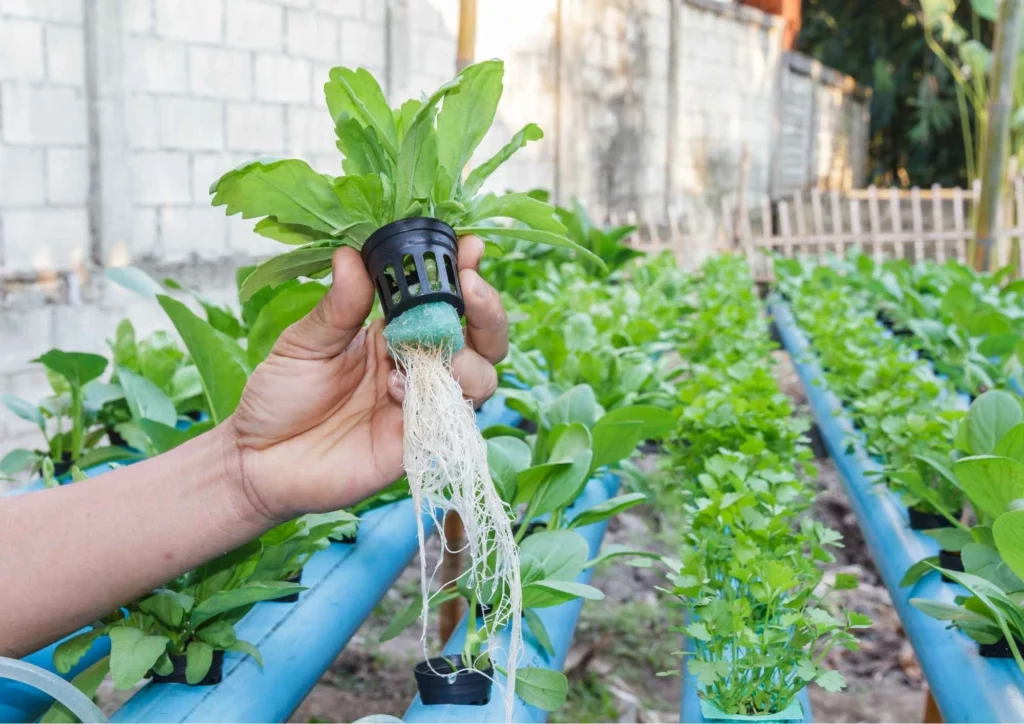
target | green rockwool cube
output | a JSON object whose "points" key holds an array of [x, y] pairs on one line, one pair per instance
{"points": [[429, 325]]}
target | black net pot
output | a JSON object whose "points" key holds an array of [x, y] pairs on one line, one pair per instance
{"points": [[467, 688], [999, 650], [818, 447], [951, 561], [413, 262], [924, 520], [177, 676]]}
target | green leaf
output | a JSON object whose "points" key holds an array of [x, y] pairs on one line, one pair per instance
{"points": [[357, 94], [145, 400], [990, 482], [555, 554], [540, 632], [578, 404], [363, 152], [542, 688], [548, 238], [417, 162], [248, 649], [135, 280], [990, 417], [71, 651], [363, 198], [616, 550], [845, 582], [699, 631], [541, 594], [167, 606], [1008, 531], [219, 634], [24, 409], [618, 432], [986, 9], [132, 654], [218, 359], [403, 620], [291, 234], [77, 368], [917, 571], [506, 458], [477, 177], [288, 190], [17, 461], [247, 595], [88, 682], [285, 267], [950, 539], [198, 658], [466, 116], [605, 510], [102, 455], [164, 437], [831, 681], [707, 672], [1011, 445], [278, 314]]}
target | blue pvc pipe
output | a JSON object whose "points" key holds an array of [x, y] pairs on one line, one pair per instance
{"points": [[559, 621], [966, 687]]}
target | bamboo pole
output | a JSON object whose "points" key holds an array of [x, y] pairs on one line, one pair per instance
{"points": [[1004, 73], [454, 530]]}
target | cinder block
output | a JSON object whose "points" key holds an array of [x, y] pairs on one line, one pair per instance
{"points": [[352, 9], [376, 12], [65, 55], [362, 44], [191, 124], [255, 25], [138, 16], [220, 73], [282, 79], [143, 241], [84, 328], [28, 382], [245, 242], [21, 50], [45, 239], [207, 168], [198, 21], [193, 230], [21, 176], [160, 177], [255, 127], [42, 115], [157, 66], [67, 175], [57, 11], [310, 132], [312, 35], [142, 121]]}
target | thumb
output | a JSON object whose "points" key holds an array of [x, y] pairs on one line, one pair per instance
{"points": [[339, 316]]}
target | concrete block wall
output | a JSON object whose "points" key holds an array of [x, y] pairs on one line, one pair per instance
{"points": [[116, 116]]}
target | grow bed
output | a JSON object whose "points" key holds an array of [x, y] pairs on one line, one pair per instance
{"points": [[298, 641], [559, 621], [965, 686]]}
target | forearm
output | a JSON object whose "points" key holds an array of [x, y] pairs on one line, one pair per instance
{"points": [[73, 554]]}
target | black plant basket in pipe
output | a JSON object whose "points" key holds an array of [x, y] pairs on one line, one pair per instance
{"points": [[951, 561], [999, 650], [213, 676], [414, 262], [923, 520], [468, 688]]}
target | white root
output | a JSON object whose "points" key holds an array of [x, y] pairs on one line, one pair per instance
{"points": [[446, 462]]}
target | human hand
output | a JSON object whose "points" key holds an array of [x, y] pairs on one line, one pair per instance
{"points": [[319, 425]]}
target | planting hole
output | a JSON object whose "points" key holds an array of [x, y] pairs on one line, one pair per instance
{"points": [[412, 277], [433, 281], [449, 272], [392, 282]]}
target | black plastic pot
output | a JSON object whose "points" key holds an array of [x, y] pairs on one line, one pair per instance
{"points": [[999, 650], [297, 578], [922, 520], [116, 438], [951, 561], [818, 447], [528, 426], [194, 415], [213, 676], [468, 688], [650, 447], [62, 467], [773, 331], [414, 262]]}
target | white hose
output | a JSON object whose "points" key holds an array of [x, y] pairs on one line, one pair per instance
{"points": [[49, 683]]}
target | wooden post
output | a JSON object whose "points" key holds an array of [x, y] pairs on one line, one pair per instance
{"points": [[1004, 73], [932, 715], [454, 531]]}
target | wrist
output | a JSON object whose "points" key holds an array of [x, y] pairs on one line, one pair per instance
{"points": [[250, 507]]}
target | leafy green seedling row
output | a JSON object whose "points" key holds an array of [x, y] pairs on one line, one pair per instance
{"points": [[749, 574]]}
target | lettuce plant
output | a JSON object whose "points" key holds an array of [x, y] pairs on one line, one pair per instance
{"points": [[398, 163]]}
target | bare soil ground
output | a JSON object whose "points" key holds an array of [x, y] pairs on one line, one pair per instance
{"points": [[622, 644]]}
